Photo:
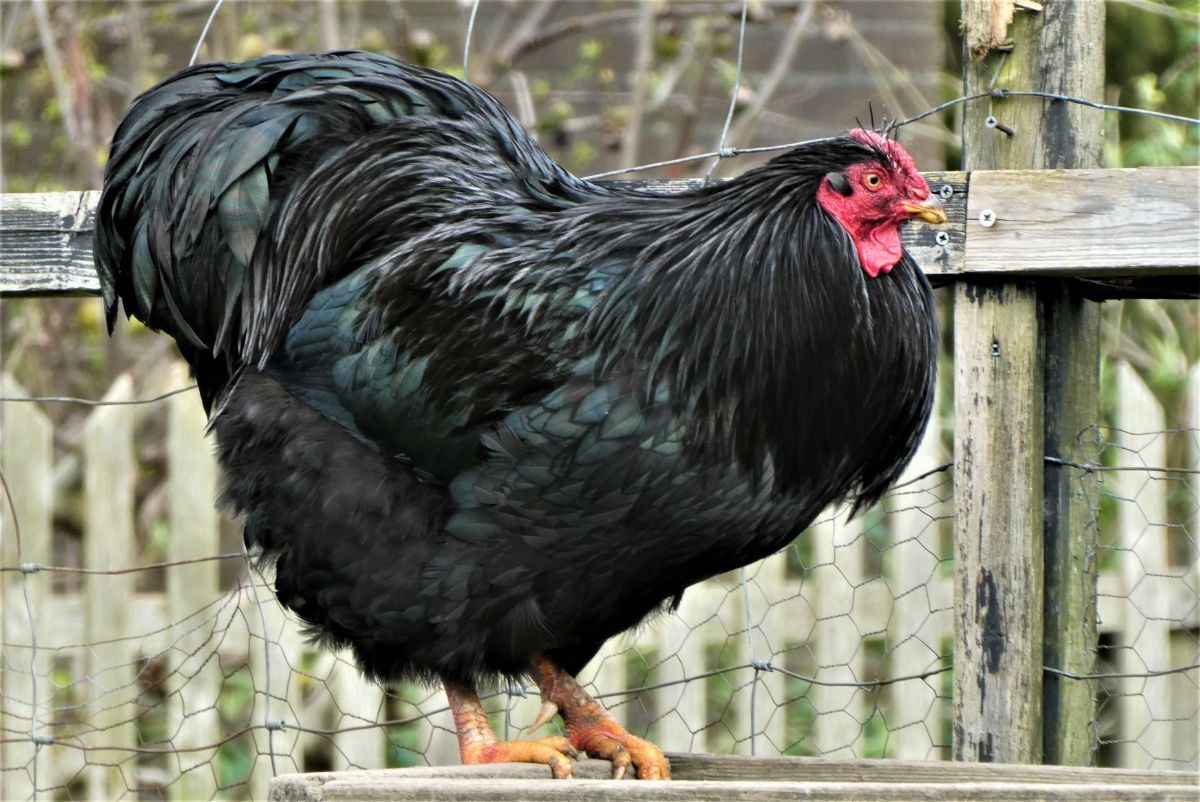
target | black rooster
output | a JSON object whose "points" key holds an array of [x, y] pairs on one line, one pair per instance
{"points": [[483, 414]]}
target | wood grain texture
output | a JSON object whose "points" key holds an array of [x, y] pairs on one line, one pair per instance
{"points": [[755, 791], [46, 243], [1070, 500], [727, 777], [1002, 332], [998, 442], [1085, 222], [985, 25], [1074, 138]]}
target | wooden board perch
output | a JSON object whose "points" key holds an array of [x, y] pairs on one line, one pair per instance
{"points": [[725, 778], [1122, 228]]}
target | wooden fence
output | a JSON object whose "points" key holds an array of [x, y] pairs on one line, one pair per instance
{"points": [[168, 678]]}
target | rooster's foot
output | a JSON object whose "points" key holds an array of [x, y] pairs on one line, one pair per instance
{"points": [[555, 752], [592, 730], [478, 743]]}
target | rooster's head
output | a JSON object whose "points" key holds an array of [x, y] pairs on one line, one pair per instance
{"points": [[872, 197]]}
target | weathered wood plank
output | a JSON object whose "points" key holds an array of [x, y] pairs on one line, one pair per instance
{"points": [[46, 243], [757, 791], [1104, 223], [359, 705], [731, 768], [722, 777], [1084, 222], [681, 639], [999, 374], [841, 710], [272, 629]]}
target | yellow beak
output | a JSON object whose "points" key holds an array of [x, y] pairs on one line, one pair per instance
{"points": [[930, 211]]}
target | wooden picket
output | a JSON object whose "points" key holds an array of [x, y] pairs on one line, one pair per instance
{"points": [[27, 466], [195, 533], [1153, 732], [110, 664]]}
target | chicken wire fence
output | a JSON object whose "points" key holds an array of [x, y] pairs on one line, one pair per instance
{"points": [[144, 657]]}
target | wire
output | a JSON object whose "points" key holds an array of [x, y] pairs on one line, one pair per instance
{"points": [[737, 86], [470, 32], [204, 33], [66, 399], [34, 568], [994, 94], [1092, 467], [1162, 115], [1058, 672]]}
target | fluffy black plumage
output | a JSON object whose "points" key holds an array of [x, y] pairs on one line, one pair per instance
{"points": [[475, 407]]}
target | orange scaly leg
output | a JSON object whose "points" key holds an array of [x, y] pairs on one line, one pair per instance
{"points": [[478, 743], [591, 729]]}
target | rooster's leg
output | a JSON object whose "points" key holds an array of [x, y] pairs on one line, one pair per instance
{"points": [[591, 729], [478, 744]]}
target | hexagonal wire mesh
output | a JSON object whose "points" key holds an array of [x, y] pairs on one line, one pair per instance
{"points": [[121, 682], [837, 646], [1148, 558]]}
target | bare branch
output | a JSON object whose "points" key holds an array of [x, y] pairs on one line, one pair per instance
{"points": [[783, 62], [643, 59]]}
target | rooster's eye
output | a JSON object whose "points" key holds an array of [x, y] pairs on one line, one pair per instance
{"points": [[873, 181]]}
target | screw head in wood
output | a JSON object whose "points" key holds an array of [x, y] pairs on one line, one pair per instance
{"points": [[941, 238], [946, 191], [987, 218]]}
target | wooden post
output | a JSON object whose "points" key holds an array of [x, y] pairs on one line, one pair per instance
{"points": [[1002, 331], [998, 443], [998, 525], [681, 638], [1070, 137], [1071, 504]]}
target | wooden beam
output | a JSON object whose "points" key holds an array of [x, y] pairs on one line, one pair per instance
{"points": [[1112, 225], [1084, 222], [1027, 598], [46, 243], [728, 777]]}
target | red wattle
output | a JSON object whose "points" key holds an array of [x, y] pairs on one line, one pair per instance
{"points": [[878, 249]]}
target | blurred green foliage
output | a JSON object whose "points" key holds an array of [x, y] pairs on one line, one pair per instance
{"points": [[1152, 61]]}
